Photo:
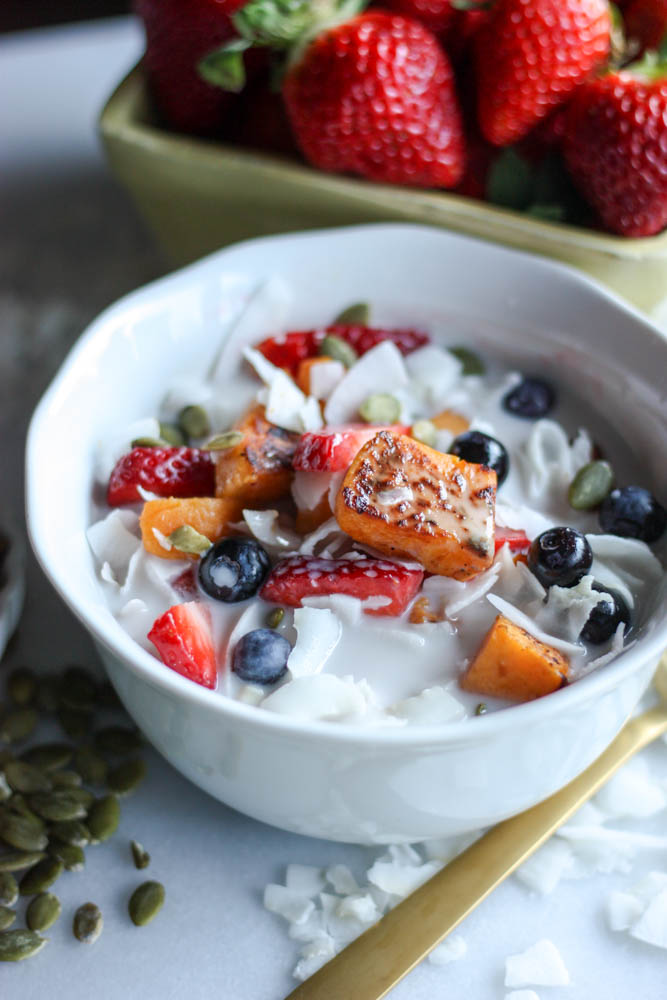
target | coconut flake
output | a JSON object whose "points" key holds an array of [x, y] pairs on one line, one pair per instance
{"points": [[544, 869], [382, 369], [341, 879], [567, 609], [539, 965], [652, 925], [264, 526], [321, 696], [525, 622], [631, 792], [623, 910], [450, 950], [113, 541], [285, 404], [304, 879], [308, 488], [429, 708], [318, 633], [434, 372], [324, 378], [401, 879], [314, 955], [358, 906], [295, 907]]}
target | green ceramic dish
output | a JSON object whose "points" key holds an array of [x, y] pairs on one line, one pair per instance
{"points": [[199, 195]]}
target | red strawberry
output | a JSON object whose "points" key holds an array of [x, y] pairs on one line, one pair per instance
{"points": [[530, 56], [514, 537], [303, 576], [168, 472], [185, 584], [289, 349], [332, 449], [437, 15], [615, 149], [183, 636], [646, 22]]}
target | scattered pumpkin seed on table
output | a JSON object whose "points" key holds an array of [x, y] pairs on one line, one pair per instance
{"points": [[71, 831], [91, 766], [22, 832], [41, 877], [71, 855], [140, 855], [77, 689], [66, 779], [119, 741], [42, 911], [22, 686], [127, 776], [24, 777], [16, 861], [103, 818], [49, 756], [18, 725], [146, 902], [59, 805], [76, 723], [7, 917], [19, 944], [9, 890], [87, 924]]}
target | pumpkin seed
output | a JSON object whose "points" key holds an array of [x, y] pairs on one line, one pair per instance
{"points": [[424, 431], [172, 435], [127, 776], [66, 779], [140, 856], [49, 756], [9, 890], [71, 831], [5, 790], [358, 314], [16, 861], [472, 363], [66, 803], [92, 768], [47, 694], [117, 740], [193, 421], [77, 689], [5, 756], [88, 923], [22, 832], [221, 442], [17, 945], [41, 876], [75, 723], [18, 725], [274, 617], [188, 539], [22, 686], [338, 349], [149, 442], [591, 485], [380, 408], [7, 917], [43, 911], [145, 902], [107, 697], [71, 856], [103, 818], [481, 708], [26, 777]]}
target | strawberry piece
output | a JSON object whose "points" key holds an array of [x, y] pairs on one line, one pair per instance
{"points": [[185, 585], [332, 449], [167, 472], [183, 636], [290, 349], [530, 56], [514, 537], [304, 576]]}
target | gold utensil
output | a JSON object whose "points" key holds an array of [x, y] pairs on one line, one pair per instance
{"points": [[377, 960]]}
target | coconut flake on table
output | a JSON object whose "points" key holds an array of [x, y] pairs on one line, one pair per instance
{"points": [[304, 879], [451, 950], [631, 792], [544, 869], [314, 955], [264, 526], [539, 965], [293, 906], [382, 369], [114, 540], [284, 402], [398, 878], [341, 879], [318, 633], [652, 925], [434, 372]]}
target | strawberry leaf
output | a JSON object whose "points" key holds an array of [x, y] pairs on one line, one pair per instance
{"points": [[224, 67]]}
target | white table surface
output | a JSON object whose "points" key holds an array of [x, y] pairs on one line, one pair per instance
{"points": [[70, 243]]}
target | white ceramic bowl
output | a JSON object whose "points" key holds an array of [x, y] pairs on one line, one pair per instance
{"points": [[326, 779]]}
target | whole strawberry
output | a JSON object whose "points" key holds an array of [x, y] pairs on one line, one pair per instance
{"points": [[646, 23], [437, 15], [615, 148], [530, 55]]}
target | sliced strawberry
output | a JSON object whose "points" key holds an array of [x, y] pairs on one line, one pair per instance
{"points": [[183, 636], [167, 472], [290, 349], [514, 537], [304, 576], [332, 449], [185, 584]]}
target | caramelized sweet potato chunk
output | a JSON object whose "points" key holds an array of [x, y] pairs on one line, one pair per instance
{"points": [[511, 663], [258, 470], [209, 516], [310, 520], [406, 499]]}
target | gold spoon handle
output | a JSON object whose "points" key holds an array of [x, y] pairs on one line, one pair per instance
{"points": [[377, 960]]}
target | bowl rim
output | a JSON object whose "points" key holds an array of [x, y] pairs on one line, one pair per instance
{"points": [[121, 118], [109, 632]]}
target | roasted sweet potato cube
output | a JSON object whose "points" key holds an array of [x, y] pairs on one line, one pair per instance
{"points": [[258, 470], [406, 499], [512, 663], [209, 516], [450, 420], [310, 520]]}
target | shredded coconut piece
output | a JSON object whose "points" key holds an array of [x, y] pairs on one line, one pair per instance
{"points": [[304, 879], [341, 879], [295, 907], [652, 925], [451, 949], [539, 965]]}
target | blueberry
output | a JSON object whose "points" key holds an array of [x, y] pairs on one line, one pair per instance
{"points": [[260, 657], [532, 397], [560, 556], [473, 446], [605, 617], [633, 512], [233, 569]]}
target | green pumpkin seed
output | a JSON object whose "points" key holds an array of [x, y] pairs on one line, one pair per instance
{"points": [[5, 756], [472, 363], [77, 689], [424, 431], [221, 442], [103, 818], [66, 779], [17, 945], [5, 790], [7, 917], [187, 539], [481, 708], [88, 923], [149, 442], [75, 723], [41, 876], [107, 697], [145, 902], [26, 777], [71, 856], [16, 861], [274, 617], [9, 890], [591, 485], [22, 832], [18, 725], [43, 911], [140, 856], [66, 803], [380, 408], [92, 768], [172, 435], [71, 831], [22, 686], [193, 421], [127, 776], [338, 349], [47, 694], [358, 314], [119, 741], [49, 756]]}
